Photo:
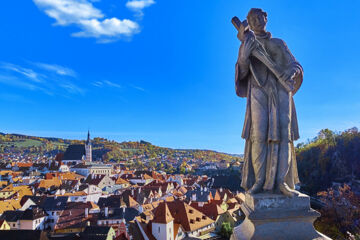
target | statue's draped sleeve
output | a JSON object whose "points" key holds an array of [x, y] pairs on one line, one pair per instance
{"points": [[290, 63], [241, 73]]}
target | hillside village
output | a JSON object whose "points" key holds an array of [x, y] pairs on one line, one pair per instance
{"points": [[73, 195], [99, 189]]}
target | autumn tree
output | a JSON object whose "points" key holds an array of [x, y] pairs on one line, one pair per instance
{"points": [[341, 215]]}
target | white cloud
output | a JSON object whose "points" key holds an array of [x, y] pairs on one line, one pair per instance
{"points": [[51, 79], [98, 84], [107, 28], [90, 19], [60, 70], [106, 83], [112, 84], [71, 88], [29, 73], [139, 5], [137, 88], [69, 11]]}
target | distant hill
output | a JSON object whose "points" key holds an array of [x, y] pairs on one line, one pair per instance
{"points": [[106, 149]]}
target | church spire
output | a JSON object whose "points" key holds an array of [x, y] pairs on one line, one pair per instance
{"points": [[88, 151], [88, 138]]}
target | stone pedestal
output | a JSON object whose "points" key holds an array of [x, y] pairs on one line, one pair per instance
{"points": [[273, 216]]}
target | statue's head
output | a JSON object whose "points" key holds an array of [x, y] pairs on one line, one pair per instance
{"points": [[257, 20]]}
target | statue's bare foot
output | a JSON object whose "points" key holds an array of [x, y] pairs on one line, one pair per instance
{"points": [[256, 188], [287, 191]]}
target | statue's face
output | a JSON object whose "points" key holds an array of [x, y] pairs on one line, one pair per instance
{"points": [[257, 22]]}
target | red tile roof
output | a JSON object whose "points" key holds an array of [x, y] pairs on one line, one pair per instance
{"points": [[189, 218], [162, 214]]}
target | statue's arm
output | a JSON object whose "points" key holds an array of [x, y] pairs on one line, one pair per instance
{"points": [[241, 70], [292, 66]]}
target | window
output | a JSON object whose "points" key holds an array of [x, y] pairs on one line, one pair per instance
{"points": [[159, 229]]}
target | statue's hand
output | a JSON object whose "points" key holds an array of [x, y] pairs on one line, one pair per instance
{"points": [[289, 76], [247, 47]]}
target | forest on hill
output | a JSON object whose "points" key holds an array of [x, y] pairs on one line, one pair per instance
{"points": [[107, 150], [329, 158], [329, 170]]}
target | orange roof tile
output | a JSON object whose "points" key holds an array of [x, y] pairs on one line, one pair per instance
{"points": [[24, 164], [121, 181], [176, 229], [211, 210], [3, 183], [162, 214], [5, 206], [80, 193], [47, 183], [189, 218], [147, 176], [170, 199]]}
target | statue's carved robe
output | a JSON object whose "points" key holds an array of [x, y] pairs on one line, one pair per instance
{"points": [[253, 77]]}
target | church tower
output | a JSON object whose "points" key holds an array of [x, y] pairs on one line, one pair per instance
{"points": [[88, 152]]}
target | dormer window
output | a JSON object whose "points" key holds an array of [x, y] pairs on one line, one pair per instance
{"points": [[192, 221], [198, 219], [191, 211]]}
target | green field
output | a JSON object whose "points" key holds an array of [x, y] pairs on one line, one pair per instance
{"points": [[23, 143]]}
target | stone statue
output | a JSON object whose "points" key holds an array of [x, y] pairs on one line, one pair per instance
{"points": [[268, 75]]}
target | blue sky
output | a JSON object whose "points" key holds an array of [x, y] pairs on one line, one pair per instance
{"points": [[163, 71]]}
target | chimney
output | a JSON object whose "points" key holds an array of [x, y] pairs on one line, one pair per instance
{"points": [[193, 198], [106, 211], [123, 208], [86, 212]]}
